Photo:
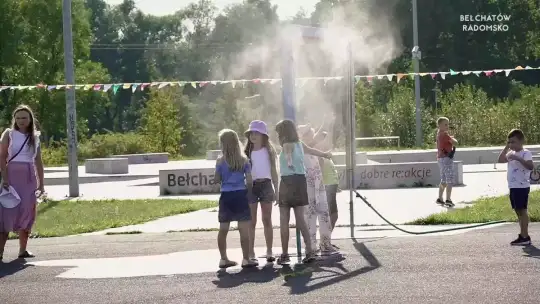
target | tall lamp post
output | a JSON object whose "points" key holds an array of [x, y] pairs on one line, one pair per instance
{"points": [[71, 111], [416, 56]]}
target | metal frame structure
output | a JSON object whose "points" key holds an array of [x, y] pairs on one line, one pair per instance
{"points": [[289, 107]]}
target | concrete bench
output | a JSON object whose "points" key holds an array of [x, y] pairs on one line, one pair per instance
{"points": [[146, 158], [469, 156], [396, 175], [340, 158], [107, 166], [187, 181], [212, 154]]}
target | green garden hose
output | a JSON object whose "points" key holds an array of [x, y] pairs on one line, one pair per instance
{"points": [[423, 232]]}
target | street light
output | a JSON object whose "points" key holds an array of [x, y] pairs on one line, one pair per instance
{"points": [[416, 56], [435, 90], [71, 112]]}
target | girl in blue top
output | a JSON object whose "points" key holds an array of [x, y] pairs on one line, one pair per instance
{"points": [[293, 187], [233, 171]]}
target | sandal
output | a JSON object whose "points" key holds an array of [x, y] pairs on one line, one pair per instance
{"points": [[329, 251], [249, 263], [270, 258], [310, 257], [226, 263], [26, 254], [284, 259]]}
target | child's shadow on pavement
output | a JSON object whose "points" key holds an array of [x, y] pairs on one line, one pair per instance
{"points": [[246, 275], [531, 251]]}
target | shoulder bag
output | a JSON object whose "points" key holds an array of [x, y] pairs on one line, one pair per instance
{"points": [[24, 144]]}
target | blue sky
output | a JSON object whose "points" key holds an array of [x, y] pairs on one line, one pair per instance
{"points": [[286, 8]]}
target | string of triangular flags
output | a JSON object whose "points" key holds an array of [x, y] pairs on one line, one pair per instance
{"points": [[299, 81], [443, 75]]}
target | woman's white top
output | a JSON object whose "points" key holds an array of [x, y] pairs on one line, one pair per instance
{"points": [[16, 140], [260, 164]]}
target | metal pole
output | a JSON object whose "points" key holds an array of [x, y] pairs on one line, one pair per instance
{"points": [[351, 139], [436, 103], [416, 65], [288, 81], [289, 109], [71, 111]]}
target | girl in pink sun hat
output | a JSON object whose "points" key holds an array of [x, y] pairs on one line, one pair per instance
{"points": [[262, 155]]}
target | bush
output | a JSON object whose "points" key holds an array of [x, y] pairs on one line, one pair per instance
{"points": [[104, 145], [98, 146], [475, 119]]}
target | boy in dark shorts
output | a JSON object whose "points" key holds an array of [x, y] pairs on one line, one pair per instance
{"points": [[520, 165]]}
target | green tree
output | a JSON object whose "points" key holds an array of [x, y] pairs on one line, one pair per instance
{"points": [[160, 120]]}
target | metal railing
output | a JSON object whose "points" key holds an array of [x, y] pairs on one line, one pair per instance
{"points": [[381, 138]]}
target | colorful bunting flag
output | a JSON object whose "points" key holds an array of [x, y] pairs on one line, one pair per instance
{"points": [[300, 82]]}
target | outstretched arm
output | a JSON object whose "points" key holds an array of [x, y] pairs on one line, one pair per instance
{"points": [[323, 124], [315, 152]]}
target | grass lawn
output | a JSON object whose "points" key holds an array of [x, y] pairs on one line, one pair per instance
{"points": [[61, 218], [483, 210]]}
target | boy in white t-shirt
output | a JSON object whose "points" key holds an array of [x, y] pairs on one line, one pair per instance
{"points": [[520, 165]]}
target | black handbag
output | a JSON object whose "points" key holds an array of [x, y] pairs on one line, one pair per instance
{"points": [[24, 144], [452, 153]]}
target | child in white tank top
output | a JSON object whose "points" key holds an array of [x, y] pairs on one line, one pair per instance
{"points": [[262, 156]]}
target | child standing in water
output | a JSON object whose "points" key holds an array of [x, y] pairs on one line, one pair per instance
{"points": [[293, 187], [318, 204], [233, 171], [262, 157], [330, 176]]}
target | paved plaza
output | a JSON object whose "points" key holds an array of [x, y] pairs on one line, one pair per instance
{"points": [[400, 205], [472, 267], [162, 265]]}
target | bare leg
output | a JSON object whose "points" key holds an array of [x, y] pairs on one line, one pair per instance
{"points": [[222, 240], [523, 218], [302, 226], [333, 219], [284, 218], [3, 239], [449, 192], [23, 241], [253, 225], [266, 212], [442, 186], [244, 227], [325, 226], [310, 215]]}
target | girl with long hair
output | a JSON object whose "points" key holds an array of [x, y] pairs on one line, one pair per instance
{"points": [[293, 187], [318, 204], [262, 156], [20, 160], [233, 172]]}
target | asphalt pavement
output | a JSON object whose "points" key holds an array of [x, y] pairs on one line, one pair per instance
{"points": [[474, 267]]}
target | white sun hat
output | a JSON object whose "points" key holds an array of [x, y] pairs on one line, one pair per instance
{"points": [[9, 198]]}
